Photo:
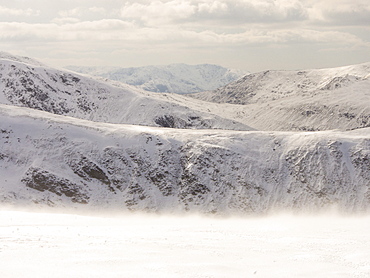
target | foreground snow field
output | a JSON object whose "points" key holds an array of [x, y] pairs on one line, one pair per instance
{"points": [[61, 245]]}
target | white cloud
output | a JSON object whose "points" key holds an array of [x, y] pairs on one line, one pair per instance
{"points": [[98, 10], [340, 12], [212, 7], [71, 13], [89, 30], [198, 10], [18, 12], [158, 11], [337, 12], [65, 20], [118, 31]]}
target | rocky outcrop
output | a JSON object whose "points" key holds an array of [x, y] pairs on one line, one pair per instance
{"points": [[42, 180]]}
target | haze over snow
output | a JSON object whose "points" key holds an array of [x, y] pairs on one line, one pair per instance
{"points": [[174, 78]]}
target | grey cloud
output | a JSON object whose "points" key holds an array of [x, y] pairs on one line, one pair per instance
{"points": [[339, 12], [348, 18], [249, 12], [126, 33], [237, 11]]}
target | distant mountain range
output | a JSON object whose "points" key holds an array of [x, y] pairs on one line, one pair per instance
{"points": [[174, 78]]}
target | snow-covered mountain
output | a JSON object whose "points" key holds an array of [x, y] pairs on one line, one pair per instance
{"points": [[24, 82], [276, 100], [69, 140], [63, 161], [272, 85], [174, 78], [300, 100]]}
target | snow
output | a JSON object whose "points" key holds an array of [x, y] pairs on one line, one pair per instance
{"points": [[26, 60], [86, 158], [174, 78], [54, 160], [66, 93], [40, 244], [309, 100], [298, 100], [272, 85]]}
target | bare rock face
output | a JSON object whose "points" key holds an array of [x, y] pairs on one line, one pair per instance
{"points": [[88, 170], [42, 180], [175, 122]]}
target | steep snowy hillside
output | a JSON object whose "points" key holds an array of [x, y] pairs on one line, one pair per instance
{"points": [[65, 93], [300, 100], [63, 161], [26, 60], [174, 78]]}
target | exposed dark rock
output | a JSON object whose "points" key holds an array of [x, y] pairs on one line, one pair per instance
{"points": [[340, 81], [135, 194], [43, 180], [88, 170], [173, 122], [165, 121]]}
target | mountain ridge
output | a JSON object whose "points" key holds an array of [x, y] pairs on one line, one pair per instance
{"points": [[66, 93], [68, 162], [300, 100], [255, 87]]}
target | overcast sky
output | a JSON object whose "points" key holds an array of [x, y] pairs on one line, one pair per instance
{"points": [[246, 34]]}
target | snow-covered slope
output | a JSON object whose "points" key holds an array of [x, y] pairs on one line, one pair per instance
{"points": [[272, 85], [300, 100], [63, 161], [21, 59], [66, 93], [174, 78], [65, 141]]}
